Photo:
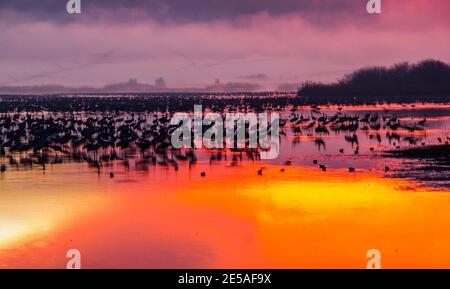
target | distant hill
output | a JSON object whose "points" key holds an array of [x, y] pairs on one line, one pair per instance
{"points": [[426, 80], [131, 86]]}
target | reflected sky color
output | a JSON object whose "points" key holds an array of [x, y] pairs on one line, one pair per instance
{"points": [[299, 218], [291, 216]]}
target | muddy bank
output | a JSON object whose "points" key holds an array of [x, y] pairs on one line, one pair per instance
{"points": [[429, 165]]}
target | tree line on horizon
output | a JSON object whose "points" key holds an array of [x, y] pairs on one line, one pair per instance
{"points": [[426, 80]]}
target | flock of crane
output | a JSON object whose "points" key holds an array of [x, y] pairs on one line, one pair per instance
{"points": [[29, 139]]}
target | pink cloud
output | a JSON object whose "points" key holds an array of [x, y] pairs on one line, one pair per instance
{"points": [[287, 48]]}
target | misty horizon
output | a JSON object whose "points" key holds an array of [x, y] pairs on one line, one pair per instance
{"points": [[245, 83], [133, 85]]}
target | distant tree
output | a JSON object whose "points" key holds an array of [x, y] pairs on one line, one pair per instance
{"points": [[426, 78], [160, 83]]}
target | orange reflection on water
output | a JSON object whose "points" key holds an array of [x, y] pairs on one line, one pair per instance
{"points": [[233, 217]]}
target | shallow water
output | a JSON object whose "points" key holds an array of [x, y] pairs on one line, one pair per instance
{"points": [[301, 217]]}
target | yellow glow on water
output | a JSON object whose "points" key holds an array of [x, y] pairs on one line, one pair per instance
{"points": [[306, 219], [8, 231], [233, 217]]}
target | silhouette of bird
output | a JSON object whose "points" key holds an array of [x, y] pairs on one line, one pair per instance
{"points": [[422, 122]]}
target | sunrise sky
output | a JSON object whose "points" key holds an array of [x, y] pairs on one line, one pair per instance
{"points": [[192, 42]]}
